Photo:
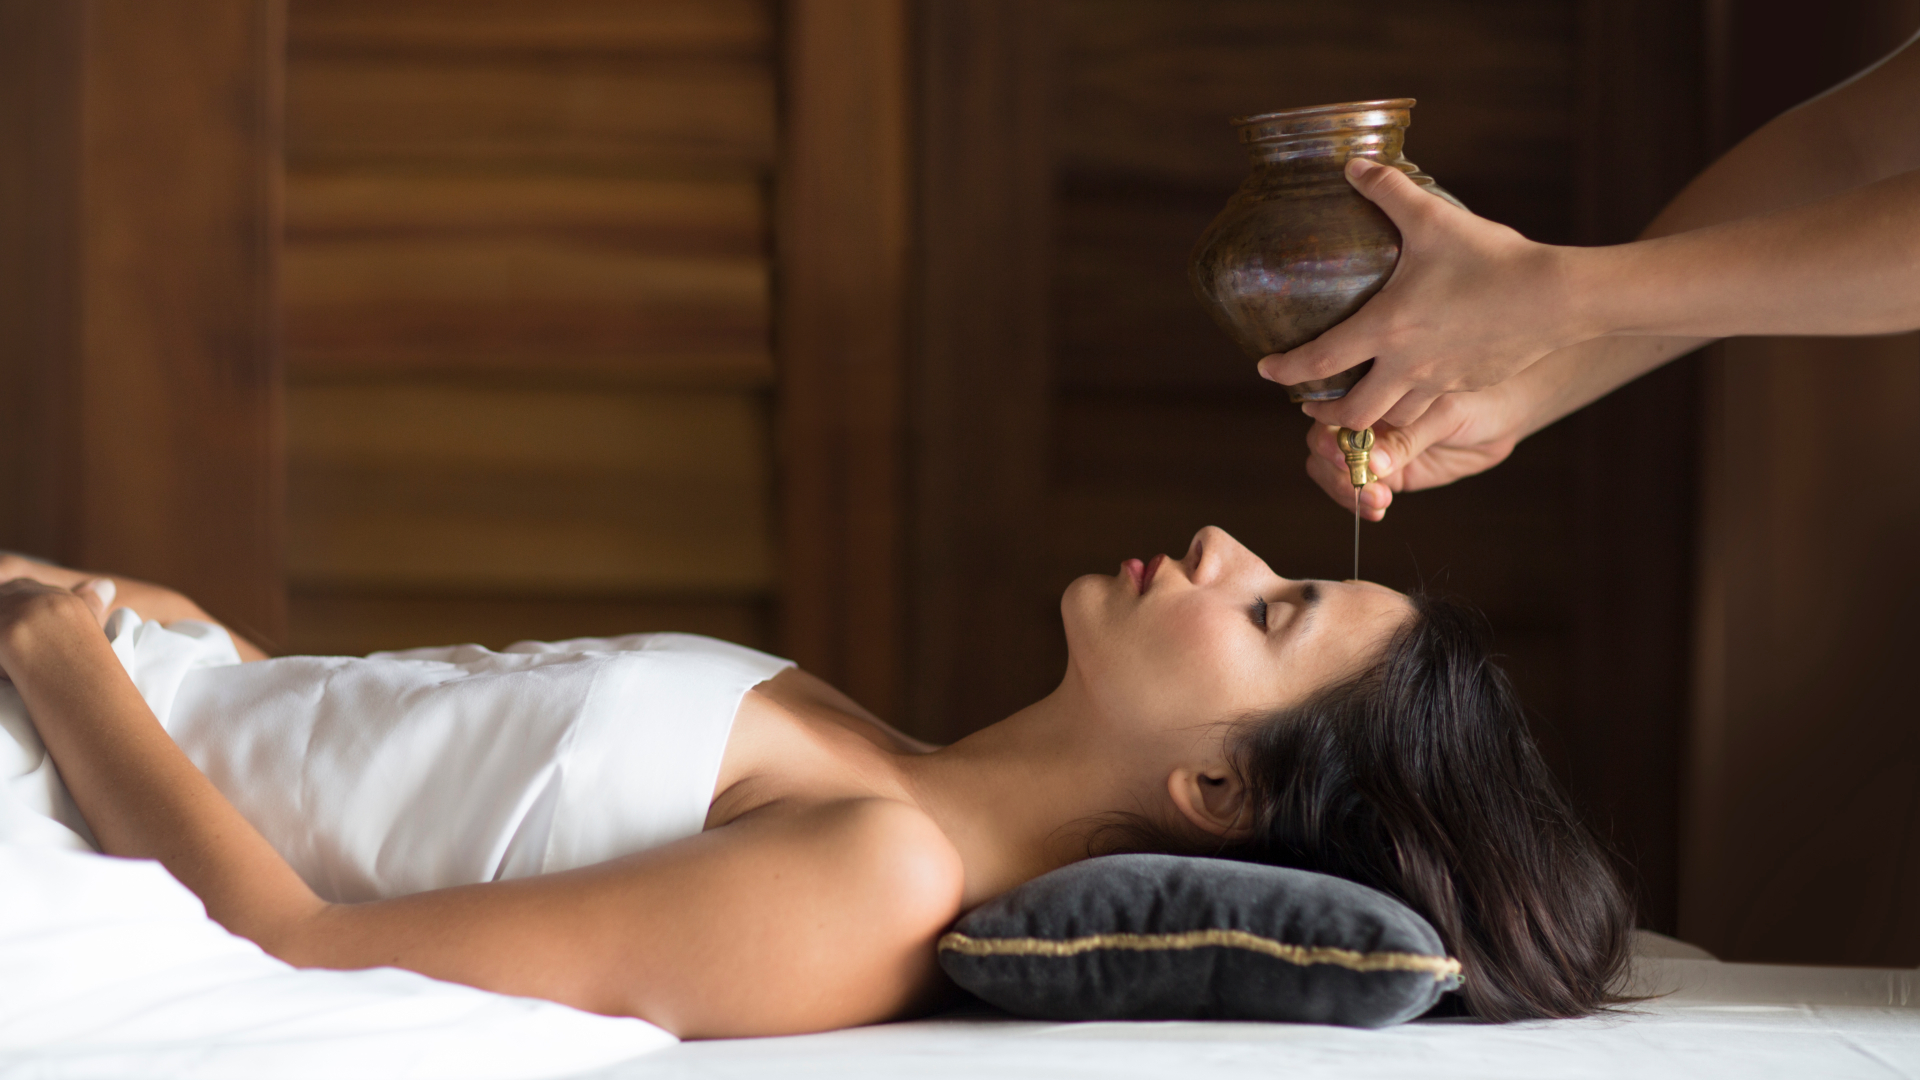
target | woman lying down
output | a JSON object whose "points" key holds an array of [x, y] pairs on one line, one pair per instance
{"points": [[708, 838]]}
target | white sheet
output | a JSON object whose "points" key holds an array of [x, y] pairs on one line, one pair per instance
{"points": [[110, 968], [1724, 1020]]}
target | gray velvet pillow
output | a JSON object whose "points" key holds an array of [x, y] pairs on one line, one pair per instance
{"points": [[1162, 937]]}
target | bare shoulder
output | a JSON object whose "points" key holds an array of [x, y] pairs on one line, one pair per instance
{"points": [[889, 856], [835, 910], [801, 690]]}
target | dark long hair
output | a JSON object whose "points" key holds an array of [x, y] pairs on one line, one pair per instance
{"points": [[1419, 778]]}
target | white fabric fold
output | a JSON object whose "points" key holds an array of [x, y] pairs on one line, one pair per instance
{"points": [[375, 777]]}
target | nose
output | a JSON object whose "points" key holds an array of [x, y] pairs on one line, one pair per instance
{"points": [[1213, 554]]}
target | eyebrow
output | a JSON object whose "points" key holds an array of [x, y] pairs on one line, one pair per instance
{"points": [[1310, 601]]}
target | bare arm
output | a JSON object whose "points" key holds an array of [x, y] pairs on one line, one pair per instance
{"points": [[1837, 148], [1824, 244], [790, 919]]}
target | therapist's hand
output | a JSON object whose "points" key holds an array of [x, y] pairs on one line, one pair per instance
{"points": [[1470, 304], [1462, 434]]}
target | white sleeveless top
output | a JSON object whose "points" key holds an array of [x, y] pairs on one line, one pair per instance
{"points": [[401, 772]]}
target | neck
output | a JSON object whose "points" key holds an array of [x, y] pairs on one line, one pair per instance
{"points": [[1023, 796]]}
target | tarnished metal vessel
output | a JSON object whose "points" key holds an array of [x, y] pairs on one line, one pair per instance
{"points": [[1297, 250]]}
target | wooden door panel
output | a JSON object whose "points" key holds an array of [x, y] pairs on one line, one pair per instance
{"points": [[528, 317], [336, 621], [488, 111], [146, 350], [671, 27], [521, 491], [665, 215]]}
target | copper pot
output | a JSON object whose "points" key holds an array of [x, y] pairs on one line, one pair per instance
{"points": [[1297, 249]]}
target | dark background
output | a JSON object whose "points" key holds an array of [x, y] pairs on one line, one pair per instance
{"points": [[854, 329]]}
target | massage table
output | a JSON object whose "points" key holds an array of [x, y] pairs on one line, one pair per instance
{"points": [[109, 968], [1716, 1019]]}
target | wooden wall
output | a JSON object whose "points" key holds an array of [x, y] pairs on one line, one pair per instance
{"points": [[528, 317], [1801, 845], [1082, 409], [844, 256], [139, 378], [984, 621]]}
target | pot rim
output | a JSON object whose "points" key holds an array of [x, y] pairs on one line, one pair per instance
{"points": [[1305, 111]]}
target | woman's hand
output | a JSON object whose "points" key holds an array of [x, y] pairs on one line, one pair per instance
{"points": [[1471, 303], [97, 590], [31, 609]]}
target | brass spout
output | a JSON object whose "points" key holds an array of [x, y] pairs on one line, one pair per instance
{"points": [[1357, 445]]}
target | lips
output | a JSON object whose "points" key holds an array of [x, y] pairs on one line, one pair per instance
{"points": [[1146, 576], [1142, 573]]}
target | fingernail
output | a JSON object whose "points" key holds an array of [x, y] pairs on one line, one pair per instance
{"points": [[105, 590], [1382, 464], [1361, 165]]}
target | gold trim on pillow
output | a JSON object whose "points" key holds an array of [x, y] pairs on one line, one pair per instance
{"points": [[1441, 967]]}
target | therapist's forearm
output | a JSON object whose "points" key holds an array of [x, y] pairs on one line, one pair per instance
{"points": [[1848, 264], [1816, 151], [1824, 150]]}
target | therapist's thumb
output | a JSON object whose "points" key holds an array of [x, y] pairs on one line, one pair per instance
{"points": [[1388, 188], [1393, 447]]}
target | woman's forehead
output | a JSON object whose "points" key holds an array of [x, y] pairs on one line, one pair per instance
{"points": [[1355, 592], [1361, 607], [1373, 586]]}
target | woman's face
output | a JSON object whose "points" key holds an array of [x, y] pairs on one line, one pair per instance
{"points": [[1217, 634]]}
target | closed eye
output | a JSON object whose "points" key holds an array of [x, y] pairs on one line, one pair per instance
{"points": [[1259, 612]]}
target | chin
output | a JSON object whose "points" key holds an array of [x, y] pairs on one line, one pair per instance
{"points": [[1080, 603], [1085, 594]]}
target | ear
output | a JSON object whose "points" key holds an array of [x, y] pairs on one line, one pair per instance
{"points": [[1213, 799]]}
